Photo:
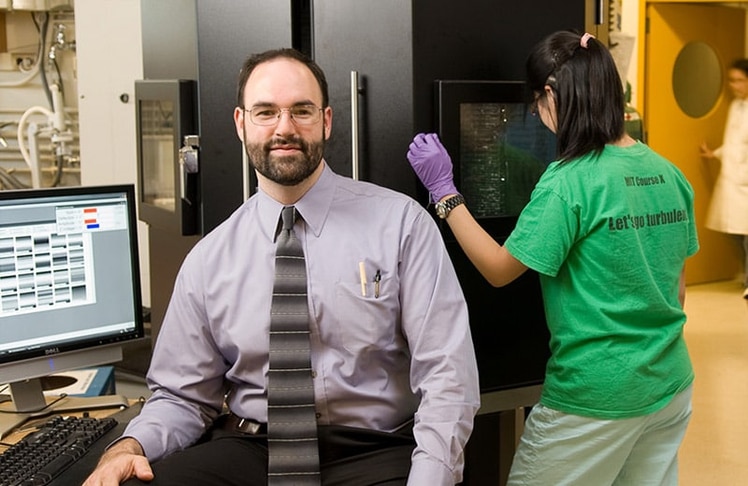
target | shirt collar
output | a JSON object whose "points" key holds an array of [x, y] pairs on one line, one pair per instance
{"points": [[314, 206]]}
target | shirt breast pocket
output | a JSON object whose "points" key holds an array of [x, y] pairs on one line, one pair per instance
{"points": [[365, 322]]}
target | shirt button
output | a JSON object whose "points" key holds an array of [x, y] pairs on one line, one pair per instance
{"points": [[318, 415], [314, 374]]}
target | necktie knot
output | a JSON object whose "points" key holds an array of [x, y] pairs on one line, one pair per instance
{"points": [[288, 217]]}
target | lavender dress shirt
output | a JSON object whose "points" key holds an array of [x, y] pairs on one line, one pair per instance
{"points": [[379, 359]]}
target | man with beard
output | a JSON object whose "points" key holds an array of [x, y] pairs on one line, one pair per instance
{"points": [[394, 375]]}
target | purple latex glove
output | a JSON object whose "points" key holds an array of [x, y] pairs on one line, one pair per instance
{"points": [[432, 165]]}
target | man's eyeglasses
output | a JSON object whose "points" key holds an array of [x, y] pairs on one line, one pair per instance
{"points": [[265, 116]]}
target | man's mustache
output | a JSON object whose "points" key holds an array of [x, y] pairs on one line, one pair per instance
{"points": [[286, 143]]}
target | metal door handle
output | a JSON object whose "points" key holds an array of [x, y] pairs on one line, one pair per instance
{"points": [[354, 125], [188, 164]]}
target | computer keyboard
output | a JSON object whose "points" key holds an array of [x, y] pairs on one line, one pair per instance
{"points": [[45, 453]]}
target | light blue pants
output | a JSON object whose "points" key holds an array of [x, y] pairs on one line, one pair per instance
{"points": [[562, 449]]}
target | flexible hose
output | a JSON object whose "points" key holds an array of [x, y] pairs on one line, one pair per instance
{"points": [[21, 139]]}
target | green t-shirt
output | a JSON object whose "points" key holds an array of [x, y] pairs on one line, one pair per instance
{"points": [[609, 236]]}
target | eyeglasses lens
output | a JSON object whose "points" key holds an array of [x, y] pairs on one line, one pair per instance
{"points": [[270, 115]]}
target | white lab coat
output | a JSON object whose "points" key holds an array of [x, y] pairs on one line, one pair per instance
{"points": [[728, 210]]}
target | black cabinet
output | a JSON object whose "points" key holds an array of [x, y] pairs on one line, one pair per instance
{"points": [[382, 59], [228, 31], [368, 44], [395, 50]]}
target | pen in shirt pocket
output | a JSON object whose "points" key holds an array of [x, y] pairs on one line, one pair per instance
{"points": [[377, 279], [362, 277]]}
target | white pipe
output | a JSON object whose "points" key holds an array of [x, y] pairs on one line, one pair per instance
{"points": [[69, 110], [58, 121], [20, 82], [36, 174], [20, 132]]}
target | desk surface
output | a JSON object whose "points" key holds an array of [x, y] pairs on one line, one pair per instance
{"points": [[80, 470]]}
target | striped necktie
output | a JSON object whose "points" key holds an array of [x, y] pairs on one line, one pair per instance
{"points": [[292, 425]]}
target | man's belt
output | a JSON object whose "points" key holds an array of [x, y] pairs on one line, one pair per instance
{"points": [[233, 423]]}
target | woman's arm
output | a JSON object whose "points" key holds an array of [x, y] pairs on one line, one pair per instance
{"points": [[432, 164], [492, 260]]}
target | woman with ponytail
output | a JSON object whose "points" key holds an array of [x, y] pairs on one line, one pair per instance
{"points": [[608, 228]]}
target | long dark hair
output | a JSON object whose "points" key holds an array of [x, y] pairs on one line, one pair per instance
{"points": [[587, 90]]}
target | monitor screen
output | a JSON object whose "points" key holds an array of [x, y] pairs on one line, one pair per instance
{"points": [[503, 150], [69, 284], [499, 148]]}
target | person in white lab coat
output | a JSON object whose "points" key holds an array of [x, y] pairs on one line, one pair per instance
{"points": [[728, 210]]}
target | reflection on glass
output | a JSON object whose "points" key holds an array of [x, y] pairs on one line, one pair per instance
{"points": [[503, 152], [697, 79], [158, 157]]}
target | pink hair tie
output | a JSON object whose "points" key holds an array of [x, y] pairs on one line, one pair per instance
{"points": [[585, 38]]}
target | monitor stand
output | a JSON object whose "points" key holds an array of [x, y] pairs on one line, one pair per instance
{"points": [[28, 401]]}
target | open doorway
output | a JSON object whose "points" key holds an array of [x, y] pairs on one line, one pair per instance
{"points": [[688, 48]]}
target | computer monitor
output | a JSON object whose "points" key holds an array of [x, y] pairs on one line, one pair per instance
{"points": [[69, 291]]}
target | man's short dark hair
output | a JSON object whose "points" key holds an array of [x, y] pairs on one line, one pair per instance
{"points": [[256, 59]]}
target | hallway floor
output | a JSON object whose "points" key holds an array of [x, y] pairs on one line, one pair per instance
{"points": [[715, 450]]}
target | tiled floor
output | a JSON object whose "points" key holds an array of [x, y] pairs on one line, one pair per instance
{"points": [[715, 450]]}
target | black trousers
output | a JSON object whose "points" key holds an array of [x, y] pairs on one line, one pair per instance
{"points": [[348, 457]]}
